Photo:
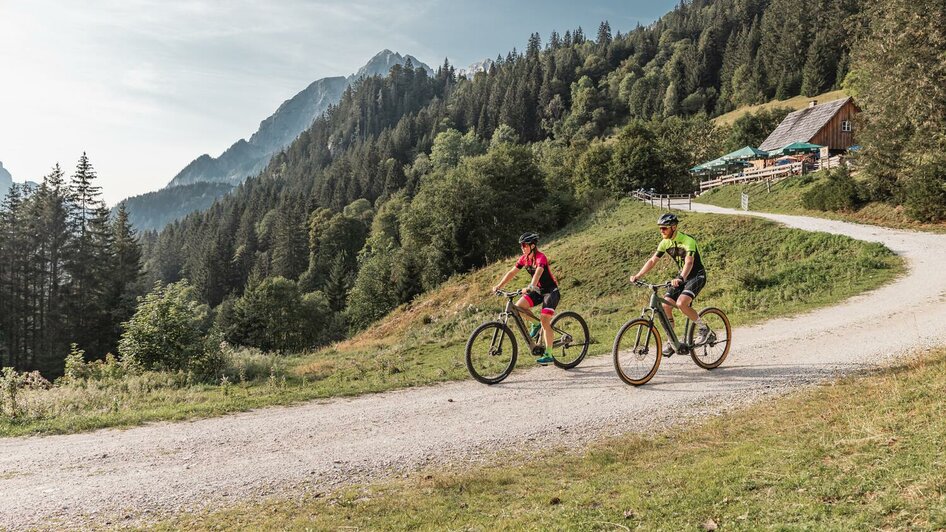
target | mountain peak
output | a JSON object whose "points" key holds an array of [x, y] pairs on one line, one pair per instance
{"points": [[381, 64], [479, 66], [248, 157]]}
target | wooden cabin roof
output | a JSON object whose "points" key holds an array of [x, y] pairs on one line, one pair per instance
{"points": [[802, 125]]}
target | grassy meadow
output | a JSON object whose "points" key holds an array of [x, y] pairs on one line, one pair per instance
{"points": [[785, 197], [796, 103], [757, 270]]}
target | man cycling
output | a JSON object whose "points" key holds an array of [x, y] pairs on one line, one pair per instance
{"points": [[543, 289], [682, 248]]}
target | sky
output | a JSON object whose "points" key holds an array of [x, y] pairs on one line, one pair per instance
{"points": [[146, 86]]}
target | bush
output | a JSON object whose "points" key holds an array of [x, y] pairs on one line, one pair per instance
{"points": [[925, 193], [11, 382], [77, 369], [167, 330], [840, 192], [276, 315]]}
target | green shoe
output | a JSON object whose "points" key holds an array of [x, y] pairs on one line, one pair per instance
{"points": [[544, 360], [534, 330]]}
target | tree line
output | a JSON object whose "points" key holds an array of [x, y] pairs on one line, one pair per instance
{"points": [[69, 273]]}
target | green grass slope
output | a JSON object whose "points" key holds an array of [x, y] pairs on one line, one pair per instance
{"points": [[785, 197], [796, 103], [756, 270]]}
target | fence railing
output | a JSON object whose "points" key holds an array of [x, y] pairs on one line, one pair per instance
{"points": [[668, 201], [829, 162], [773, 173]]}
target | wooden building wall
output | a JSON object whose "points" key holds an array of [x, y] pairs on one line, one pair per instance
{"points": [[831, 135]]}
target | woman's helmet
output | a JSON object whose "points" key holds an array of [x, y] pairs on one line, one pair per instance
{"points": [[529, 238], [667, 220]]}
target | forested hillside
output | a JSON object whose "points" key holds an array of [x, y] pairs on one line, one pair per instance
{"points": [[153, 210], [410, 179]]}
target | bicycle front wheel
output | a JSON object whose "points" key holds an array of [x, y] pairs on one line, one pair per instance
{"points": [[491, 352], [571, 339], [637, 352], [711, 353]]}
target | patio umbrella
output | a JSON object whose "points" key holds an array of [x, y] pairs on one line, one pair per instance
{"points": [[797, 147], [745, 153]]}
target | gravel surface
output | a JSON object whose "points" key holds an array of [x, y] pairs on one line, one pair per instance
{"points": [[117, 477]]}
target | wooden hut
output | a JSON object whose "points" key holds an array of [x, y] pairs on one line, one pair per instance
{"points": [[829, 124]]}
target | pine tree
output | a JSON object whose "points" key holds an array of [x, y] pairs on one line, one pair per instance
{"points": [[289, 246], [122, 285], [815, 73], [604, 35], [339, 282], [54, 233]]}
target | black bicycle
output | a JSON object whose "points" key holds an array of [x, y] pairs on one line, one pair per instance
{"points": [[637, 347], [491, 350]]}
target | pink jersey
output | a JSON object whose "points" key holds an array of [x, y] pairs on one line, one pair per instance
{"points": [[547, 281]]}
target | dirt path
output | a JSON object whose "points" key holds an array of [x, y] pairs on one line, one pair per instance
{"points": [[119, 476]]}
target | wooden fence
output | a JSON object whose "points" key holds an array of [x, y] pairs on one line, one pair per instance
{"points": [[771, 173], [668, 201], [826, 163]]}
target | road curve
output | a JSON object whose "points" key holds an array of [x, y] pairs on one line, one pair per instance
{"points": [[111, 477]]}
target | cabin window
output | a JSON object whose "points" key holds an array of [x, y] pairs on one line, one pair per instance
{"points": [[846, 126]]}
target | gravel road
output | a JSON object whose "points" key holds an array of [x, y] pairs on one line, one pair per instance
{"points": [[116, 477]]}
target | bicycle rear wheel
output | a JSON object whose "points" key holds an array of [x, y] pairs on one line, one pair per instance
{"points": [[571, 339], [491, 352], [713, 352], [637, 352]]}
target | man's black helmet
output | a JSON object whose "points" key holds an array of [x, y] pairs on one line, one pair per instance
{"points": [[668, 219], [529, 238]]}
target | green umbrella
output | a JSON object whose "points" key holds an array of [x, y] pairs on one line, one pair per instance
{"points": [[716, 165], [745, 153], [797, 147]]}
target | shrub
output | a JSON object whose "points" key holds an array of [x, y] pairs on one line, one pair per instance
{"points": [[77, 369], [839, 192], [167, 330], [925, 193], [276, 315]]}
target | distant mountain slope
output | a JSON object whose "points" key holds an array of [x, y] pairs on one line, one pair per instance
{"points": [[154, 210], [247, 158]]}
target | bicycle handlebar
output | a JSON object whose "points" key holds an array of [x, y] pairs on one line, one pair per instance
{"points": [[652, 286], [508, 294]]}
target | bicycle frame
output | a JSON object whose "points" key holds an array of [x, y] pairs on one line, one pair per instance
{"points": [[655, 306], [517, 312]]}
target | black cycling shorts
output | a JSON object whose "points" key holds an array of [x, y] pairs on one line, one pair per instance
{"points": [[690, 287], [549, 300]]}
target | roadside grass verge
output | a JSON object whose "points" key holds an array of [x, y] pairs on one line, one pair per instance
{"points": [[757, 271], [785, 198], [861, 453]]}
